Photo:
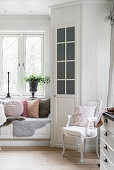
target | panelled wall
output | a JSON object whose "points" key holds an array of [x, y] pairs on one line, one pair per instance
{"points": [[93, 41]]}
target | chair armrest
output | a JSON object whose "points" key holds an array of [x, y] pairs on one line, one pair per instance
{"points": [[69, 118], [91, 119]]}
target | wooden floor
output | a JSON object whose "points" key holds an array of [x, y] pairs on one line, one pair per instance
{"points": [[44, 158]]}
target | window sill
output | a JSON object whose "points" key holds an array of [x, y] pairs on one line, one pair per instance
{"points": [[21, 97]]}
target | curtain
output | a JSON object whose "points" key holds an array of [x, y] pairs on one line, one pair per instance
{"points": [[110, 98]]}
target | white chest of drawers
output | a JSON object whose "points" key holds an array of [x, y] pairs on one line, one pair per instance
{"points": [[107, 144]]}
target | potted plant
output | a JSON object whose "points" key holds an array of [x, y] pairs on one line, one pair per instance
{"points": [[33, 81]]}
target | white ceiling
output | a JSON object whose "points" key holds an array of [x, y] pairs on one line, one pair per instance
{"points": [[25, 7]]}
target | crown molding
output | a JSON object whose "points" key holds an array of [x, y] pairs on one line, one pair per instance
{"points": [[76, 2]]}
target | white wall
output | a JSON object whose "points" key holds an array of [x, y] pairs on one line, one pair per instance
{"points": [[28, 23], [93, 46], [95, 53], [23, 22]]}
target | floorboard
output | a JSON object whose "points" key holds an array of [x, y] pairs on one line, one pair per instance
{"points": [[44, 158]]}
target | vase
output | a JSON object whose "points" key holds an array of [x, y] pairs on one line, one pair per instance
{"points": [[33, 87]]}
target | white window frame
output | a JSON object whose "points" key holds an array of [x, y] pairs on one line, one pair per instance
{"points": [[21, 60]]}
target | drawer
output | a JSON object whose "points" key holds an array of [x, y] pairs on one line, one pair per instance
{"points": [[108, 151], [6, 132], [105, 161], [107, 137], [102, 166], [108, 124]]}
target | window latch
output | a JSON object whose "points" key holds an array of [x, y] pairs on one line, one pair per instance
{"points": [[24, 66]]}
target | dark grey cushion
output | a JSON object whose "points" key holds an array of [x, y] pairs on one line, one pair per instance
{"points": [[44, 108]]}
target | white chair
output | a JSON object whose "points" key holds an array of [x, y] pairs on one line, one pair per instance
{"points": [[82, 132]]}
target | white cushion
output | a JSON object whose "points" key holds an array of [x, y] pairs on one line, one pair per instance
{"points": [[78, 131], [2, 115], [13, 108]]}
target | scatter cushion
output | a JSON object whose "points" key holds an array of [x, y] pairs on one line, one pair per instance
{"points": [[44, 108], [13, 108], [33, 108], [81, 115], [24, 114], [2, 115]]}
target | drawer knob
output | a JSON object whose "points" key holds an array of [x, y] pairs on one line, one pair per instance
{"points": [[106, 121], [105, 133], [105, 146], [105, 159]]}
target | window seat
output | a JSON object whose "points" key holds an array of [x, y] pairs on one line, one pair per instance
{"points": [[40, 137]]}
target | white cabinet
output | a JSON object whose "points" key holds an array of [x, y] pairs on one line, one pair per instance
{"points": [[107, 145], [66, 78], [6, 132]]}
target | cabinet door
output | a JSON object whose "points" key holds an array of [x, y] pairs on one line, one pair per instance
{"points": [[65, 71], [6, 132]]}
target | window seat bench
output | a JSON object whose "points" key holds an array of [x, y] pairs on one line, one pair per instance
{"points": [[41, 136]]}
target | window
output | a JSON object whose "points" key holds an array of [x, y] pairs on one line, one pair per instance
{"points": [[21, 55]]}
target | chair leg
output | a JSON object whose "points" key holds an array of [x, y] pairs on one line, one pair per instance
{"points": [[82, 150], [97, 149], [84, 145], [63, 143]]}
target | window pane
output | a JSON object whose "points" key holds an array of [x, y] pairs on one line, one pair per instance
{"points": [[60, 86], [61, 35], [34, 57], [70, 34], [61, 70], [60, 52], [33, 54], [70, 87], [70, 51], [70, 70], [10, 63]]}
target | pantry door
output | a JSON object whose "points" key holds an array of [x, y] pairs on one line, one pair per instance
{"points": [[66, 71]]}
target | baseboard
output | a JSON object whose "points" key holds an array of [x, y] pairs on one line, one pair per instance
{"points": [[52, 144], [89, 148], [24, 142], [66, 146]]}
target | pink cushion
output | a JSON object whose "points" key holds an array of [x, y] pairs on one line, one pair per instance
{"points": [[81, 115], [24, 114], [33, 108], [13, 108]]}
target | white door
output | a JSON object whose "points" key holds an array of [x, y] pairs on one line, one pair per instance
{"points": [[66, 93]]}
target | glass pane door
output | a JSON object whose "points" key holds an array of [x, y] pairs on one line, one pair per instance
{"points": [[66, 60]]}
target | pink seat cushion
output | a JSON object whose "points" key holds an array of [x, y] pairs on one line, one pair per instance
{"points": [[13, 108], [81, 115], [24, 114]]}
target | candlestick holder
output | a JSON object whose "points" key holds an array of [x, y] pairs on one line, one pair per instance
{"points": [[8, 94]]}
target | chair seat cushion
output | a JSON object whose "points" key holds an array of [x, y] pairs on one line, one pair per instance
{"points": [[78, 131]]}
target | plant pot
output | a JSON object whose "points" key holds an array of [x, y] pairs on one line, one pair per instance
{"points": [[33, 87]]}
